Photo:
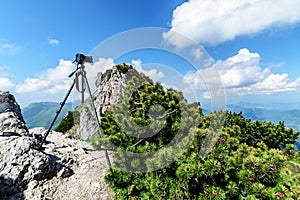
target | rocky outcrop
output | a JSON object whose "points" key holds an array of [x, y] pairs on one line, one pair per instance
{"points": [[109, 87], [88, 124], [11, 120], [20, 165], [65, 169]]}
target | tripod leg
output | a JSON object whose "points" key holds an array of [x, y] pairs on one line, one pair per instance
{"points": [[97, 119], [57, 113]]}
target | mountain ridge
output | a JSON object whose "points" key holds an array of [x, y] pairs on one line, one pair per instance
{"points": [[41, 114]]}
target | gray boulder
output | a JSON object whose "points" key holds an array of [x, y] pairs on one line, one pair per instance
{"points": [[20, 162], [11, 120]]}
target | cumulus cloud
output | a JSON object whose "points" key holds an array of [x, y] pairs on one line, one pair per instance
{"points": [[53, 83], [216, 21], [55, 80], [274, 83], [242, 69], [5, 84], [242, 74], [101, 65], [53, 41], [31, 85], [152, 73], [195, 80], [47, 80]]}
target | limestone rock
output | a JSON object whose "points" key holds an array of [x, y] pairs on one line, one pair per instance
{"points": [[21, 164], [65, 169], [11, 120], [88, 124], [109, 86], [80, 172]]}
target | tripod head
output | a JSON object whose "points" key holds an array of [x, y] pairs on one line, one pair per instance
{"points": [[80, 59]]}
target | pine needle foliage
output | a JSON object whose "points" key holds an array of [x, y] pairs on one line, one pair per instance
{"points": [[71, 118], [250, 160]]}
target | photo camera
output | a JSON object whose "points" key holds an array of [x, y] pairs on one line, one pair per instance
{"points": [[80, 58]]}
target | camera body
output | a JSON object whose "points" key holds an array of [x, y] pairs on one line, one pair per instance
{"points": [[80, 59]]}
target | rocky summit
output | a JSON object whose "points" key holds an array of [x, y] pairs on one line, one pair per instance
{"points": [[110, 86], [11, 120], [65, 169]]}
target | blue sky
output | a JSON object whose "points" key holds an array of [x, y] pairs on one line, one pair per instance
{"points": [[254, 45]]}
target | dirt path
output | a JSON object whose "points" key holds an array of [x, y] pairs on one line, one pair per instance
{"points": [[87, 167]]}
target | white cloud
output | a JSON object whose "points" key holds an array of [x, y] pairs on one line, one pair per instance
{"points": [[48, 80], [242, 69], [56, 80], [31, 85], [197, 53], [195, 80], [92, 70], [101, 65], [274, 83], [152, 73], [5, 84], [137, 63], [53, 41], [53, 83], [216, 21], [6, 47], [241, 75], [63, 86]]}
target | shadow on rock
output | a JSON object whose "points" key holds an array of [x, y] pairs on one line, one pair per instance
{"points": [[8, 192]]}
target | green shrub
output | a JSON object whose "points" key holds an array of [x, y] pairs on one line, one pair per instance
{"points": [[245, 163], [68, 121]]}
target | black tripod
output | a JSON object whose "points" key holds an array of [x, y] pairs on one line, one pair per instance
{"points": [[80, 71]]}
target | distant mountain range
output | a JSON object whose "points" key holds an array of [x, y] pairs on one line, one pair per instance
{"points": [[289, 113], [291, 117], [41, 114]]}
